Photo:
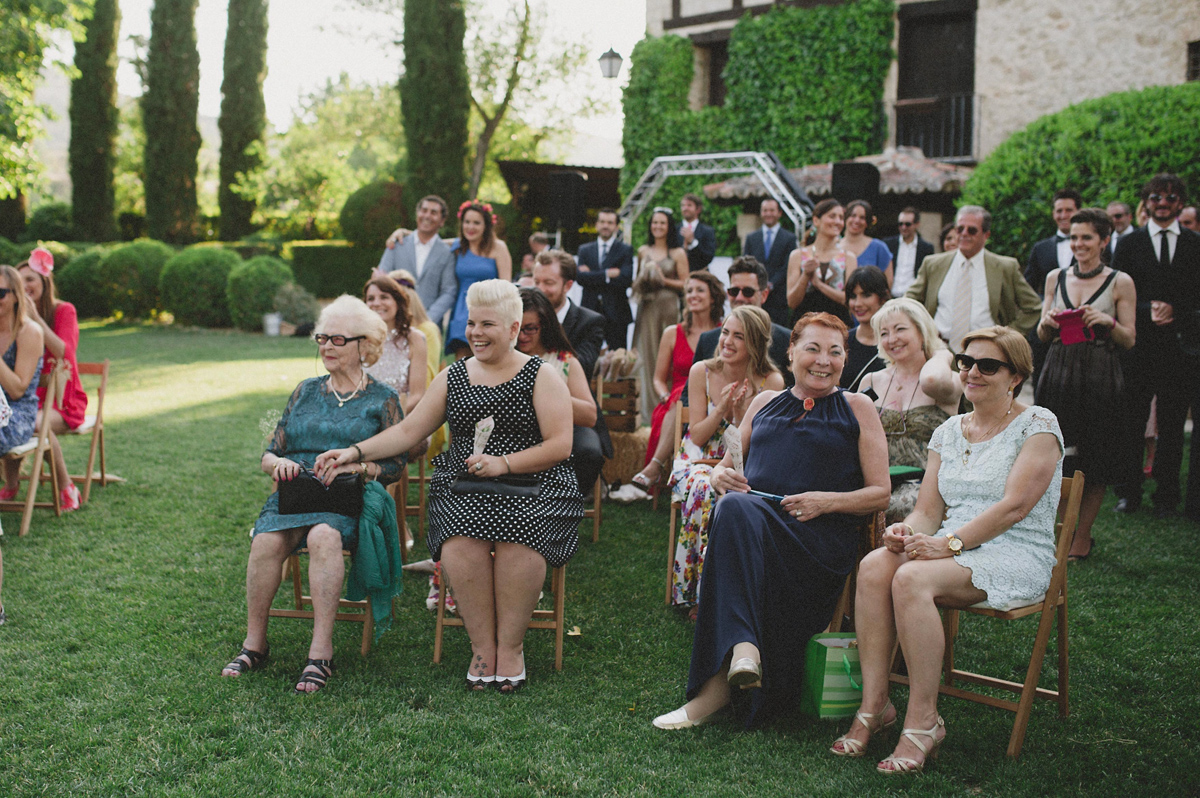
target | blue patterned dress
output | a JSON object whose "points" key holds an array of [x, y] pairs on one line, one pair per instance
{"points": [[24, 409], [313, 423]]}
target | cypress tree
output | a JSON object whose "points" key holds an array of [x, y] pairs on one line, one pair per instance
{"points": [[169, 115], [435, 98], [94, 125], [243, 110]]}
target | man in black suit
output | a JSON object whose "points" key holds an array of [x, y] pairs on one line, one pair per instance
{"points": [[908, 250], [699, 240], [1121, 216], [1054, 252], [748, 285], [1046, 256], [771, 245], [1163, 259], [1189, 218], [605, 271], [553, 275]]}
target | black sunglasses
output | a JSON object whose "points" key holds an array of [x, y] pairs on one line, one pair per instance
{"points": [[986, 365], [1161, 197], [5, 292], [905, 224], [336, 340], [963, 229], [745, 290]]}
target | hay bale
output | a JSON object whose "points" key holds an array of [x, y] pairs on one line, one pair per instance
{"points": [[629, 455]]}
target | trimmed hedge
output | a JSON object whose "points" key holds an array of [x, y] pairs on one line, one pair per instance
{"points": [[297, 305], [194, 283], [330, 268], [372, 213], [129, 277], [50, 222], [79, 283], [253, 285], [1105, 149]]}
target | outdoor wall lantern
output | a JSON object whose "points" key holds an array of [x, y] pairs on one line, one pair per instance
{"points": [[610, 63]]}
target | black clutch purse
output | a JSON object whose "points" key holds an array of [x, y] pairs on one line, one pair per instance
{"points": [[520, 485], [307, 494]]}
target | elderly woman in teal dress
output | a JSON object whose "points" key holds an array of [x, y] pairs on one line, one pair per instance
{"points": [[322, 413]]}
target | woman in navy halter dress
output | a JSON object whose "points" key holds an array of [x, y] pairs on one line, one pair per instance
{"points": [[774, 570]]}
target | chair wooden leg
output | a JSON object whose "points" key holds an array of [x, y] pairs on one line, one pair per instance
{"points": [[1029, 691], [91, 463], [293, 563], [597, 504], [368, 634], [1064, 667], [103, 468], [559, 585], [439, 625], [949, 627], [671, 554]]}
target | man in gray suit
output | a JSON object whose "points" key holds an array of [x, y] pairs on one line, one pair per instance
{"points": [[428, 258]]}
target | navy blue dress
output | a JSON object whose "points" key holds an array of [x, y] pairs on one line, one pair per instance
{"points": [[770, 579]]}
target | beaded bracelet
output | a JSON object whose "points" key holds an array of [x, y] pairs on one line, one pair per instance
{"points": [[354, 446]]}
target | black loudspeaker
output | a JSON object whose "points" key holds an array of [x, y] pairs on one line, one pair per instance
{"points": [[853, 180], [567, 207]]}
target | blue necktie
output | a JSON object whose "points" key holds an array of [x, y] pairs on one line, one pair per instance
{"points": [[768, 239]]}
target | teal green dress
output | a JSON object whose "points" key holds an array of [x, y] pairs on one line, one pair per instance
{"points": [[313, 423]]}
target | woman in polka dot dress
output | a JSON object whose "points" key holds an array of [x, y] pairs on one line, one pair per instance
{"points": [[494, 548]]}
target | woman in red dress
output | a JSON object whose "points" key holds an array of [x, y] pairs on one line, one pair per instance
{"points": [[60, 328]]}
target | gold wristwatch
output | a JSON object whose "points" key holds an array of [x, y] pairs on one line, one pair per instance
{"points": [[956, 544]]}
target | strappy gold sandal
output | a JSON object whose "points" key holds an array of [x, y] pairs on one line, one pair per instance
{"points": [[902, 764], [852, 747]]}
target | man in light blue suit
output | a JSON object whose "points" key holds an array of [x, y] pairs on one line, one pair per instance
{"points": [[427, 258]]}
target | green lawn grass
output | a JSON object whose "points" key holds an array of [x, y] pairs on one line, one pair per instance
{"points": [[122, 614]]}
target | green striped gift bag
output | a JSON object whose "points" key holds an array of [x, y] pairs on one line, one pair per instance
{"points": [[832, 676]]}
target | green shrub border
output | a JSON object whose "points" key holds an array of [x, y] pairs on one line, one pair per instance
{"points": [[330, 268]]}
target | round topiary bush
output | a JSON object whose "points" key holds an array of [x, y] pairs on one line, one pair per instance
{"points": [[79, 283], [1105, 149], [252, 288], [194, 283], [50, 222], [296, 305], [129, 276], [372, 213]]}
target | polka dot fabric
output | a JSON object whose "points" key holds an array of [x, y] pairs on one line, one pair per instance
{"points": [[547, 524]]}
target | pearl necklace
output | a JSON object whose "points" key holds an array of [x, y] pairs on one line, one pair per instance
{"points": [[967, 428], [343, 399]]}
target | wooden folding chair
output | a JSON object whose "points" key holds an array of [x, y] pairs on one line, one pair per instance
{"points": [[616, 401], [675, 506], [363, 615], [39, 447], [870, 535], [93, 424], [542, 619], [1049, 608]]}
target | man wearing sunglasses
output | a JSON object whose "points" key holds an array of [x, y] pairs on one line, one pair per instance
{"points": [[1121, 216], [748, 285], [908, 250], [971, 287], [1163, 258]]}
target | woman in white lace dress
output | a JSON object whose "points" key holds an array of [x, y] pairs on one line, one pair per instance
{"points": [[403, 362], [994, 474]]}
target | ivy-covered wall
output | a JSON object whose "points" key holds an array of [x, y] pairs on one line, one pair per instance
{"points": [[1105, 149], [806, 83]]}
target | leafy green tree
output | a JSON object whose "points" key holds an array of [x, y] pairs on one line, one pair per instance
{"points": [[435, 97], [94, 125], [345, 136], [517, 74], [243, 111], [169, 114], [25, 30]]}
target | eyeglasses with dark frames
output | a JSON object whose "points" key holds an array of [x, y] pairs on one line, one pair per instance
{"points": [[336, 340], [531, 329], [745, 291], [986, 365]]}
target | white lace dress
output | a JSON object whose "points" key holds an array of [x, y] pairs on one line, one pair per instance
{"points": [[1013, 567]]}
